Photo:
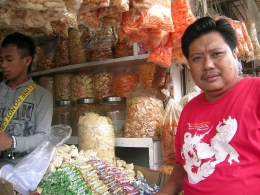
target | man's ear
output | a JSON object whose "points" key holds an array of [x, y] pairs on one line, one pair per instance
{"points": [[28, 60], [235, 53]]}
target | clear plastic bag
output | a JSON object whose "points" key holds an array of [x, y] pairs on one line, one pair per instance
{"points": [[143, 114], [169, 127], [27, 174]]}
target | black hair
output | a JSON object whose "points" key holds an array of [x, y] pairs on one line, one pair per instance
{"points": [[206, 25], [25, 44]]}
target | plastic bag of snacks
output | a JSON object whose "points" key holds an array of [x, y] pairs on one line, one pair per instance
{"points": [[161, 55], [90, 19], [123, 49], [115, 6], [88, 5], [77, 52], [151, 75], [62, 52], [185, 99], [157, 37], [124, 83], [182, 17], [244, 44], [169, 127], [143, 114], [37, 57], [251, 29], [155, 14], [47, 60], [103, 83], [112, 20]]}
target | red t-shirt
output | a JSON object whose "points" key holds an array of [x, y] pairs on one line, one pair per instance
{"points": [[218, 143]]}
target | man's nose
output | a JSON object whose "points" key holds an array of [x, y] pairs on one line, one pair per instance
{"points": [[208, 63]]}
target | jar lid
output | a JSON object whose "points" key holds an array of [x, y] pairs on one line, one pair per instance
{"points": [[87, 101], [64, 103], [113, 99]]}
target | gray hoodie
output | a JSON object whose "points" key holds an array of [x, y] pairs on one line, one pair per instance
{"points": [[32, 120]]}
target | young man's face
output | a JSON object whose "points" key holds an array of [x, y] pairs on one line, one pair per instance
{"points": [[213, 65], [13, 65]]}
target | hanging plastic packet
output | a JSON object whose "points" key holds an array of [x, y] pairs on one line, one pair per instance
{"points": [[171, 117], [185, 99]]}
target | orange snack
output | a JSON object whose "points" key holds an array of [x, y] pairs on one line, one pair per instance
{"points": [[124, 83], [161, 56], [182, 17], [157, 37], [158, 15]]}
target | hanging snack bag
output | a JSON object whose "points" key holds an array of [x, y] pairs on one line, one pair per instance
{"points": [[252, 32], [157, 14], [37, 57], [89, 19], [62, 52], [77, 52], [123, 49], [124, 83], [47, 60], [169, 127], [161, 55], [88, 5]]}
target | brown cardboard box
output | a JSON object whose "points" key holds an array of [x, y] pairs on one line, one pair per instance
{"points": [[152, 176], [6, 188]]}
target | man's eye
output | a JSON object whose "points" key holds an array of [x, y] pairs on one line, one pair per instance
{"points": [[196, 58], [217, 54]]}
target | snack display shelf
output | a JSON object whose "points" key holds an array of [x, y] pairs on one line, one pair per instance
{"points": [[144, 152], [116, 64]]}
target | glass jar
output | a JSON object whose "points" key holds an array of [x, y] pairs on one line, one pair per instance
{"points": [[115, 109], [83, 106], [63, 112], [62, 86]]}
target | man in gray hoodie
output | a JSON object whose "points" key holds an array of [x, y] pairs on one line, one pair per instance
{"points": [[32, 120]]}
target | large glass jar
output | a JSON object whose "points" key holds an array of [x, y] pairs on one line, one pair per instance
{"points": [[115, 109], [63, 112], [83, 106], [63, 86]]}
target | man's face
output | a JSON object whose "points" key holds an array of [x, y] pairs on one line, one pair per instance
{"points": [[213, 65], [13, 66]]}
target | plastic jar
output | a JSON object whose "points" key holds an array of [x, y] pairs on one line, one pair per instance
{"points": [[83, 106], [63, 112], [115, 109]]}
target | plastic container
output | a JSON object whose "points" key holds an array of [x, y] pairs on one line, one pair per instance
{"points": [[115, 109], [63, 112], [83, 106]]}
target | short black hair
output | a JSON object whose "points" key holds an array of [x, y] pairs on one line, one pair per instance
{"points": [[25, 44], [204, 26]]}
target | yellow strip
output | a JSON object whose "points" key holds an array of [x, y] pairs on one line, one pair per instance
{"points": [[17, 104]]}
